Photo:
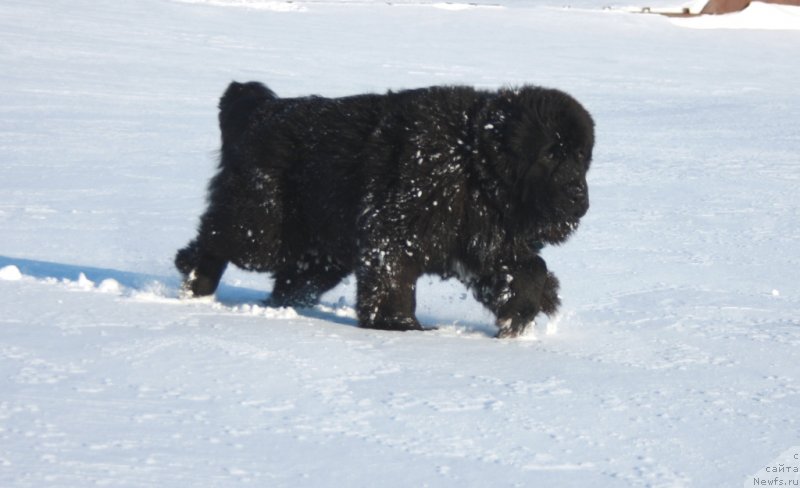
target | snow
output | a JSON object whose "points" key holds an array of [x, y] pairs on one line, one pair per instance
{"points": [[10, 273], [673, 363]]}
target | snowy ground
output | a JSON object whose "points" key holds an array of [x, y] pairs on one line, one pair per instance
{"points": [[675, 362]]}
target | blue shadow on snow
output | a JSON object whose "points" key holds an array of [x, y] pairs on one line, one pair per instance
{"points": [[226, 294]]}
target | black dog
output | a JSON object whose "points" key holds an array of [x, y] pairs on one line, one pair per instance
{"points": [[451, 181]]}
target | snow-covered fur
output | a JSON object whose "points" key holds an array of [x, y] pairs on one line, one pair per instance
{"points": [[448, 180]]}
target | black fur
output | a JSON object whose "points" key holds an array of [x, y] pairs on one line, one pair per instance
{"points": [[451, 181]]}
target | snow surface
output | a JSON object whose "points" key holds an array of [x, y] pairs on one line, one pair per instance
{"points": [[674, 363]]}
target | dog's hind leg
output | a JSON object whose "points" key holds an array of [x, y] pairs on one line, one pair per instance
{"points": [[201, 270], [303, 282]]}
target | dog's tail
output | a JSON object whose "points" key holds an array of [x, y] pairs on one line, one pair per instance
{"points": [[237, 104]]}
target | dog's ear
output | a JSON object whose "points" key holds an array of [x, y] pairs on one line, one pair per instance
{"points": [[526, 155], [526, 137], [237, 104]]}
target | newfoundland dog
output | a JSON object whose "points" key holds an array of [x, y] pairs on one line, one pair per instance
{"points": [[448, 180]]}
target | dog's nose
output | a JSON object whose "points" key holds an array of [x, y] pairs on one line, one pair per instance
{"points": [[577, 192], [580, 208]]}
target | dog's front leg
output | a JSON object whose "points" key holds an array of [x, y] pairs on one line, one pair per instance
{"points": [[516, 293]]}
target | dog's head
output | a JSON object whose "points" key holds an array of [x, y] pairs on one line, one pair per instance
{"points": [[550, 138]]}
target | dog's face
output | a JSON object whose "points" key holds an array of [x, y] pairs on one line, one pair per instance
{"points": [[555, 181], [552, 144]]}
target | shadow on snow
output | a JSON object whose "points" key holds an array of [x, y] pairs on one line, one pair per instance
{"points": [[228, 295]]}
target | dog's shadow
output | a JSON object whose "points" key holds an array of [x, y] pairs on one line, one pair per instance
{"points": [[169, 287], [47, 270]]}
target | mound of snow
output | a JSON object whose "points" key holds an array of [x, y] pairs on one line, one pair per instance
{"points": [[82, 283], [110, 285], [10, 273], [285, 313]]}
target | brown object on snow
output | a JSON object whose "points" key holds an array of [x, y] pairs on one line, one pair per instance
{"points": [[715, 7]]}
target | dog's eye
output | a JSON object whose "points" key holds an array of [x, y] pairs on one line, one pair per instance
{"points": [[552, 154], [583, 158], [547, 161]]}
